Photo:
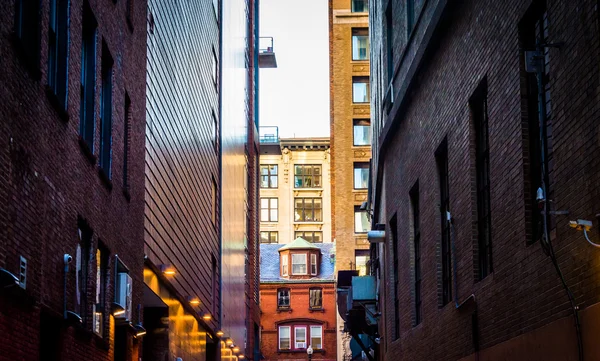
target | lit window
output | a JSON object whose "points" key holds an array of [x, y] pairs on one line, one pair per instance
{"points": [[268, 176], [361, 220], [360, 89], [313, 264], [360, 44], [316, 298], [268, 210], [283, 298], [361, 175], [298, 264], [284, 265], [269, 237], [359, 6], [308, 210], [300, 337], [316, 337], [284, 338], [307, 176], [100, 301], [362, 132]]}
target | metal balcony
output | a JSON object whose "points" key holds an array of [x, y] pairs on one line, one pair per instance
{"points": [[266, 54]]}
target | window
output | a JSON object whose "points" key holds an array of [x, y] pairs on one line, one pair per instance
{"points": [[389, 43], [316, 298], [360, 89], [283, 298], [416, 237], [533, 28], [360, 44], [307, 176], [359, 6], [106, 113], [394, 235], [129, 13], [362, 132], [215, 132], [299, 337], [361, 257], [361, 220], [310, 236], [215, 285], [215, 68], [478, 104], [216, 8], [58, 48], [82, 259], [313, 264], [299, 264], [316, 337], [307, 210], [27, 30], [214, 203], [361, 175], [268, 210], [100, 300], [410, 16], [269, 237], [126, 141], [88, 79], [268, 176], [284, 265], [441, 157], [284, 338]]}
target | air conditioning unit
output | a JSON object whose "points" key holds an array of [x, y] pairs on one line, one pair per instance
{"points": [[123, 293], [300, 344]]}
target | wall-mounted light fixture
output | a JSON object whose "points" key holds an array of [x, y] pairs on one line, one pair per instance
{"points": [[167, 269], [207, 317], [220, 333], [193, 300], [229, 342], [241, 357], [139, 330], [117, 310], [236, 349], [7, 279]]}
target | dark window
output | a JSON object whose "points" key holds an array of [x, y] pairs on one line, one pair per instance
{"points": [[129, 13], [308, 210], [359, 6], [106, 113], [410, 16], [269, 237], [360, 89], [394, 235], [215, 286], [307, 176], [126, 141], [478, 104], [27, 31], [283, 298], [360, 44], [361, 132], [389, 42], [441, 157], [58, 48], [316, 298], [310, 236], [82, 268], [416, 233], [533, 29], [215, 132], [268, 176], [215, 203], [88, 78]]}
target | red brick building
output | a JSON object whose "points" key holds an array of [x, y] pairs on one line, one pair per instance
{"points": [[297, 300], [482, 154], [72, 125]]}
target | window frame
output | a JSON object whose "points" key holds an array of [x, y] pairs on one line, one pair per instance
{"points": [[313, 257], [99, 308], [58, 50], [106, 110], [314, 211], [289, 328], [271, 174], [281, 296], [361, 253], [303, 234], [285, 271], [305, 263], [361, 80], [356, 123], [320, 327], [300, 327], [318, 306], [360, 167], [357, 210], [87, 80], [269, 238], [441, 158], [416, 241], [355, 34], [312, 177], [270, 209], [365, 6]]}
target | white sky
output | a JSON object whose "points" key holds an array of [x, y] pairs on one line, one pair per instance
{"points": [[295, 95]]}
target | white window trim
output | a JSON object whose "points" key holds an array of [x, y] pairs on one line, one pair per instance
{"points": [[321, 337], [284, 265], [296, 328], [299, 254], [313, 261], [279, 337]]}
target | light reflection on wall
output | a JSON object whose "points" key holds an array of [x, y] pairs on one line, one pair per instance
{"points": [[233, 138], [187, 339]]}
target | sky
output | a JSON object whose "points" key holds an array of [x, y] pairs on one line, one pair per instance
{"points": [[295, 95]]}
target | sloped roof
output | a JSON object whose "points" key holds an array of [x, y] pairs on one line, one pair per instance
{"points": [[299, 243], [269, 264]]}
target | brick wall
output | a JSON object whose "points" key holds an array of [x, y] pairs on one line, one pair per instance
{"points": [[299, 312], [47, 182], [477, 40]]}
